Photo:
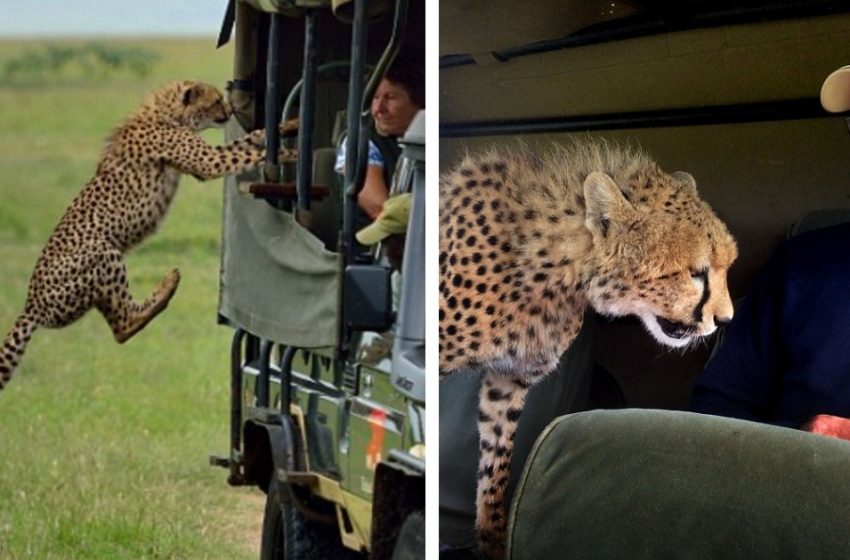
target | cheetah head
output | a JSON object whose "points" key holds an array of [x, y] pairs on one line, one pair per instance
{"points": [[663, 260], [202, 106]]}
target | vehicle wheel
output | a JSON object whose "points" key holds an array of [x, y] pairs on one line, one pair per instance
{"points": [[288, 535]]}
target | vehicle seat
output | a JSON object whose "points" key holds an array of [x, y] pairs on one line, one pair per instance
{"points": [[819, 219], [648, 484], [327, 213]]}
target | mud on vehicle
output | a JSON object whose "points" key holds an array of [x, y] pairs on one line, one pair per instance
{"points": [[327, 359]]}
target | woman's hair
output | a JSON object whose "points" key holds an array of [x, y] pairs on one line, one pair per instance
{"points": [[408, 72]]}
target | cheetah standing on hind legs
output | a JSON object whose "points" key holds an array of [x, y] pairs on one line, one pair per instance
{"points": [[528, 241], [82, 265]]}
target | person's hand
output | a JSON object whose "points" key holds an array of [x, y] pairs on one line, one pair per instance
{"points": [[827, 425]]}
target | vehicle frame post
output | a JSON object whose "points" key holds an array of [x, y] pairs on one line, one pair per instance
{"points": [[273, 88], [306, 113]]}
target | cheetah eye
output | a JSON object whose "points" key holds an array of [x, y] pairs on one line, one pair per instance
{"points": [[701, 273]]}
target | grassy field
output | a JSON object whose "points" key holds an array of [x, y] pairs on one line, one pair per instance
{"points": [[103, 448]]}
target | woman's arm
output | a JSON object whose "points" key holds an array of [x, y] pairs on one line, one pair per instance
{"points": [[374, 192]]}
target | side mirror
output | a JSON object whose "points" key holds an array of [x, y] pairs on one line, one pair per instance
{"points": [[368, 298]]}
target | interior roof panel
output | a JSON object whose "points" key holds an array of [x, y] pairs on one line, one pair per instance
{"points": [[480, 26], [717, 66], [479, 30]]}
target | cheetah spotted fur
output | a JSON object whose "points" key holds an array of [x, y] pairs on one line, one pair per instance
{"points": [[82, 264], [528, 241]]}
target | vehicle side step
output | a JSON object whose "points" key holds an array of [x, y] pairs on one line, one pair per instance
{"points": [[231, 463], [220, 461]]}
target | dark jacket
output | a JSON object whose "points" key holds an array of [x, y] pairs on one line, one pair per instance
{"points": [[786, 355]]}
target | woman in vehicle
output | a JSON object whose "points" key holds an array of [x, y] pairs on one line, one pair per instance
{"points": [[400, 95]]}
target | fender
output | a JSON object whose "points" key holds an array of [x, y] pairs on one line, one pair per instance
{"points": [[271, 446], [399, 492]]}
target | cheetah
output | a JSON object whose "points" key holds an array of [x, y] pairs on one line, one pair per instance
{"points": [[528, 241], [82, 266]]}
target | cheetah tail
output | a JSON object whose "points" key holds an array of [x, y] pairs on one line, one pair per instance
{"points": [[13, 347], [500, 405]]}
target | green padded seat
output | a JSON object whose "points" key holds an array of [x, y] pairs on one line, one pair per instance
{"points": [[648, 484]]}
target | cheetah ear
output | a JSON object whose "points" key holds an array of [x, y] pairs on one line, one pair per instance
{"points": [[191, 94], [686, 180], [605, 203]]}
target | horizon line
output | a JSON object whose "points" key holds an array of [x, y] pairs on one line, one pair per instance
{"points": [[107, 35]]}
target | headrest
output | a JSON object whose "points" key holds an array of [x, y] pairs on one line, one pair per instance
{"points": [[835, 92]]}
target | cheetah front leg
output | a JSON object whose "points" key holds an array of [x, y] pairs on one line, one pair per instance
{"points": [[257, 138], [125, 316], [191, 154], [500, 406]]}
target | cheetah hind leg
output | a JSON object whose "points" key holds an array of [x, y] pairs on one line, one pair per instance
{"points": [[499, 408], [126, 317]]}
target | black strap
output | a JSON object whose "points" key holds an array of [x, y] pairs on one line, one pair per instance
{"points": [[227, 24], [389, 148]]}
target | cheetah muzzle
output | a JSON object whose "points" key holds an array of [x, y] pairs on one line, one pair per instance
{"points": [[82, 265], [528, 241]]}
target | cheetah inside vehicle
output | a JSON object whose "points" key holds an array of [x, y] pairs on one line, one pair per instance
{"points": [[528, 242], [727, 91], [327, 370]]}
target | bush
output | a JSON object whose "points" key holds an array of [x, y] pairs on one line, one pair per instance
{"points": [[69, 62]]}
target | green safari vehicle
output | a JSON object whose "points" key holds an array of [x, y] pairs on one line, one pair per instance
{"points": [[327, 360]]}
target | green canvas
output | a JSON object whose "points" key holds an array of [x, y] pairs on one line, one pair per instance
{"points": [[277, 279]]}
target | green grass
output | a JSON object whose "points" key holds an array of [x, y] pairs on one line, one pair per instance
{"points": [[103, 447]]}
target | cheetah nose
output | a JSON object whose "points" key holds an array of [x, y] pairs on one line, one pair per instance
{"points": [[722, 321]]}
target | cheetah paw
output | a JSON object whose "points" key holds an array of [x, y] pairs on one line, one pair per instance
{"points": [[287, 155], [289, 128]]}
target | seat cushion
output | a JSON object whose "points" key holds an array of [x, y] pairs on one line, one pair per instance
{"points": [[646, 484]]}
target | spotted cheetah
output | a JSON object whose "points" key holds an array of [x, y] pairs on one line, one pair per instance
{"points": [[82, 265], [528, 241]]}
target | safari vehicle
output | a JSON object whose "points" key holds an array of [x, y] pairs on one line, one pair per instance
{"points": [[327, 377], [728, 91]]}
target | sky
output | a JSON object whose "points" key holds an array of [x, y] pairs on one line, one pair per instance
{"points": [[58, 18]]}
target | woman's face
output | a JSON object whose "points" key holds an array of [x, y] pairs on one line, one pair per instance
{"points": [[392, 108]]}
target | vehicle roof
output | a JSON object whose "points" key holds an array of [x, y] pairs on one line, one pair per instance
{"points": [[718, 65], [504, 29]]}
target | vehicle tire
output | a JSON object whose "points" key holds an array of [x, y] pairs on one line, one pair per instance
{"points": [[411, 538], [288, 535]]}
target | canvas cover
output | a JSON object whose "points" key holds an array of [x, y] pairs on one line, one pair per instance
{"points": [[651, 484], [277, 279]]}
